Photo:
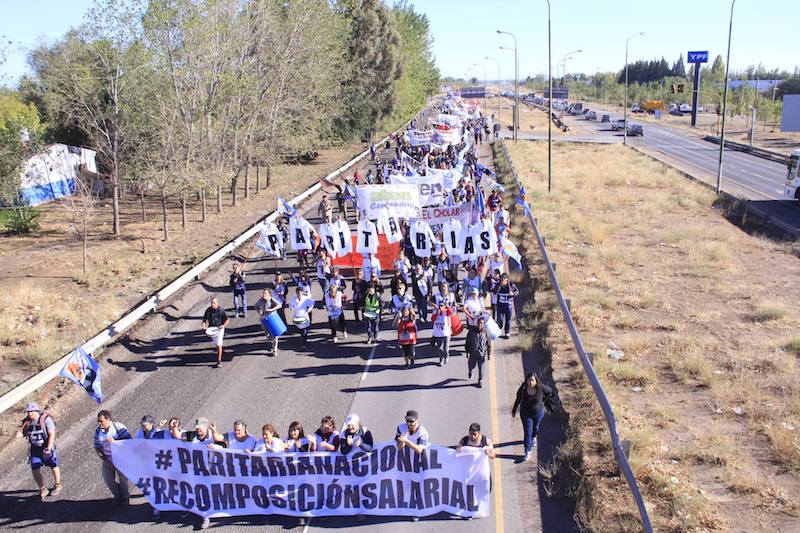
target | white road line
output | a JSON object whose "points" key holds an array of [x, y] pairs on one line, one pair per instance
{"points": [[369, 362]]}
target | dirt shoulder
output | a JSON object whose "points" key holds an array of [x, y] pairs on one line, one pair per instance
{"points": [[694, 337]]}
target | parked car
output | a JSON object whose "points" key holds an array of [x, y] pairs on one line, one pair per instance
{"points": [[617, 125], [635, 129], [676, 113], [634, 108], [672, 107], [591, 115], [685, 108], [605, 118]]}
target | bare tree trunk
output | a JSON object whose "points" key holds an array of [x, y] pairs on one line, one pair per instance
{"points": [[247, 180], [183, 211], [115, 205], [234, 181], [141, 196], [164, 214], [269, 173], [219, 198], [258, 177], [202, 205], [85, 238]]}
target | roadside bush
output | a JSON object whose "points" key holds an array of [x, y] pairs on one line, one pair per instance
{"points": [[22, 220]]}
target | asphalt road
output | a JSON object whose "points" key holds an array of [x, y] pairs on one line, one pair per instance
{"points": [[164, 368]]}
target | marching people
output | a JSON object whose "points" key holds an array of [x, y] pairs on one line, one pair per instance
{"points": [[489, 285], [477, 348], [148, 429], [373, 306], [107, 432], [442, 330], [280, 292], [411, 433], [473, 308], [371, 264], [530, 401], [238, 439], [420, 283], [239, 290], [337, 279], [334, 305], [406, 325], [297, 441], [505, 293], [326, 436], [323, 270], [401, 299], [475, 439], [355, 436], [325, 209], [301, 306], [40, 429], [303, 283], [266, 305], [215, 317], [359, 287]]}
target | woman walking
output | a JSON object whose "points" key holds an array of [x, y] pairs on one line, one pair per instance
{"points": [[531, 398], [407, 333]]}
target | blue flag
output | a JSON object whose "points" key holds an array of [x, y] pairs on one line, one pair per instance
{"points": [[83, 370], [479, 203], [350, 194], [521, 199], [286, 208]]}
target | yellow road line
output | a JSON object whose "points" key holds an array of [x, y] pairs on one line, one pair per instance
{"points": [[496, 467]]}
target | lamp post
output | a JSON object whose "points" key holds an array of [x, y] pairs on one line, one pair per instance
{"points": [[514, 117], [549, 106], [497, 100], [567, 56], [516, 82], [625, 110], [724, 105]]}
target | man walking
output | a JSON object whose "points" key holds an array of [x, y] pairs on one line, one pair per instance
{"points": [[107, 432], [239, 290], [216, 317], [40, 430], [477, 346]]}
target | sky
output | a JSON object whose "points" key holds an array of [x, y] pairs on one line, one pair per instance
{"points": [[464, 31]]}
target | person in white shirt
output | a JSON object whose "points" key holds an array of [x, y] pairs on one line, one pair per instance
{"points": [[411, 433], [269, 443], [497, 263], [473, 308], [371, 264], [403, 265], [301, 306], [238, 439], [401, 299], [442, 330], [334, 305]]}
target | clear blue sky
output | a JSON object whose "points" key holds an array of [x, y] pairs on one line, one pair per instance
{"points": [[766, 31]]}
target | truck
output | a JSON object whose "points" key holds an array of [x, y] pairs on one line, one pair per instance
{"points": [[651, 105], [792, 187]]}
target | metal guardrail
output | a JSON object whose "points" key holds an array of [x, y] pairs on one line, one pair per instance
{"points": [[605, 405], [754, 150], [113, 331]]}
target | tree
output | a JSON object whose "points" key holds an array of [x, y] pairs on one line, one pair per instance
{"points": [[420, 78], [678, 68], [790, 86]]}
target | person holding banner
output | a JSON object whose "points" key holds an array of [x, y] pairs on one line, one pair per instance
{"points": [[214, 323], [406, 325], [334, 305], [40, 430], [475, 439], [411, 433], [266, 305], [238, 439], [355, 436], [297, 441], [301, 306], [269, 443], [107, 432], [326, 436]]}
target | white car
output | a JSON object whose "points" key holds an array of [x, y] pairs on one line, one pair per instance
{"points": [[685, 108], [618, 124]]}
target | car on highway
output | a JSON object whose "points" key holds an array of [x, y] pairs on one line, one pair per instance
{"points": [[792, 188], [634, 108], [635, 129], [617, 124], [685, 108], [591, 115], [606, 118]]}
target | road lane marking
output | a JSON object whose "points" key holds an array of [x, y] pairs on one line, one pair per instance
{"points": [[369, 362], [496, 466]]}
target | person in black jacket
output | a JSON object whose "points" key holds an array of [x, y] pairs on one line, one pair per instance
{"points": [[477, 347], [531, 398], [355, 436]]}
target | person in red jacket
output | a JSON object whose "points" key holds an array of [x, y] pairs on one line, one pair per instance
{"points": [[406, 333]]}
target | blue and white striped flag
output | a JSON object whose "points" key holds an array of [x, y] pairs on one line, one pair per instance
{"points": [[286, 208], [84, 371]]}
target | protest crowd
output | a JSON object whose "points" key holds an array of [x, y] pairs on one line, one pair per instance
{"points": [[431, 253]]}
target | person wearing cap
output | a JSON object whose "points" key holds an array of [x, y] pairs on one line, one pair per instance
{"points": [[203, 432], [355, 436], [215, 316], [505, 292], [238, 439], [411, 433], [334, 305], [107, 432], [40, 430], [477, 348], [148, 428], [475, 439], [473, 308], [301, 306], [472, 281]]}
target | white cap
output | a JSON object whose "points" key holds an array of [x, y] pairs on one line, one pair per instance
{"points": [[352, 418]]}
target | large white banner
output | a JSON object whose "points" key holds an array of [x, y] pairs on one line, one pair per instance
{"points": [[431, 188], [419, 137], [436, 216], [399, 199], [180, 476]]}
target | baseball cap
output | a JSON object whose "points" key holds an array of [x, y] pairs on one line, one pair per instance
{"points": [[352, 418], [412, 415], [146, 419], [33, 406], [475, 290], [201, 422]]}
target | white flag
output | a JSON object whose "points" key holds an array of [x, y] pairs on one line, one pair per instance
{"points": [[451, 235], [467, 251], [367, 242], [485, 238], [389, 225], [299, 233], [329, 235], [345, 241], [421, 238], [271, 239]]}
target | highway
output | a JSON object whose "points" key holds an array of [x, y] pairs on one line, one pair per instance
{"points": [[164, 368]]}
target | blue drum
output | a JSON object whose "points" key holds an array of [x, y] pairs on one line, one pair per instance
{"points": [[273, 324]]}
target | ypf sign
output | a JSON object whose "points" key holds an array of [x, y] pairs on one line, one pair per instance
{"points": [[697, 57]]}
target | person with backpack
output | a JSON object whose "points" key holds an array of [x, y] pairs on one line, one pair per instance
{"points": [[39, 428], [532, 397], [475, 439], [107, 432], [405, 321]]}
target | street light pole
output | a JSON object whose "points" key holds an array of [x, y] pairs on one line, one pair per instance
{"points": [[567, 56], [724, 105], [516, 83], [497, 100], [625, 110], [549, 106]]}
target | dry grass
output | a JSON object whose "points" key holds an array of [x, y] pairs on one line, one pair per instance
{"points": [[709, 342]]}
